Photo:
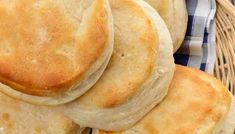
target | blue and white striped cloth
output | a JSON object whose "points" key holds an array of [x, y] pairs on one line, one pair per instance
{"points": [[198, 49]]}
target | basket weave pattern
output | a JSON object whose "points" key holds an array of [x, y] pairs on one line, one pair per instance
{"points": [[225, 37]]}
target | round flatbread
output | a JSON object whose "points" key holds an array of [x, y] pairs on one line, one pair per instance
{"points": [[174, 13], [52, 51], [137, 76]]}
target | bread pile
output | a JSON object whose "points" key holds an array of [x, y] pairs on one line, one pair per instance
{"points": [[103, 67]]}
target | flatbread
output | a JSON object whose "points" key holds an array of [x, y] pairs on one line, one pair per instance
{"points": [[138, 74], [53, 51], [174, 13]]}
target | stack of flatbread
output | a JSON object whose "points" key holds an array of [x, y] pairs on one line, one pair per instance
{"points": [[103, 67]]}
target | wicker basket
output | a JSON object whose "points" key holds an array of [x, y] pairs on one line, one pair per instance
{"points": [[225, 37]]}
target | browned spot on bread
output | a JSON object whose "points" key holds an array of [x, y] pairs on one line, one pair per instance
{"points": [[5, 121], [150, 128]]}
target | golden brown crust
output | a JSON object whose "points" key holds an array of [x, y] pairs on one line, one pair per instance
{"points": [[41, 50], [196, 103], [133, 59]]}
